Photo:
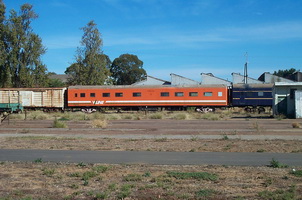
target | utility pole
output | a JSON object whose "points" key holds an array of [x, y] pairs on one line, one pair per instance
{"points": [[245, 67]]}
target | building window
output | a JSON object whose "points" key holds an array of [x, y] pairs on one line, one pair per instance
{"points": [[106, 94], [164, 94], [137, 94], [82, 94], [76, 95], [220, 94], [260, 94], [193, 94], [207, 94], [118, 94], [92, 94]]}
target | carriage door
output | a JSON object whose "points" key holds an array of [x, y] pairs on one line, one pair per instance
{"points": [[26, 98]]}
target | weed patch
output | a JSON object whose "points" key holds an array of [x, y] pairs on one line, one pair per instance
{"points": [[276, 164], [193, 175], [204, 193], [132, 177], [297, 173], [48, 172], [100, 168], [279, 194]]}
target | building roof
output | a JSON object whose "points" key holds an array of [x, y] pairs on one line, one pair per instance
{"points": [[288, 84]]}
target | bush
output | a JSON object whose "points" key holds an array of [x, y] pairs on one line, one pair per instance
{"points": [[59, 124], [276, 164], [99, 123], [296, 125]]}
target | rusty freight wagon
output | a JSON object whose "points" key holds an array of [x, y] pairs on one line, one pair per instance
{"points": [[170, 97], [17, 99]]}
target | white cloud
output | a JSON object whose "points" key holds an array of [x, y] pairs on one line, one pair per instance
{"points": [[267, 32], [61, 42]]}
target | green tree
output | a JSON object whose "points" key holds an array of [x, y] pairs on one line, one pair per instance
{"points": [[5, 74], [22, 50], [285, 73], [91, 66], [127, 69]]}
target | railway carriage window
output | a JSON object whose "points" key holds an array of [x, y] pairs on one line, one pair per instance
{"points": [[220, 94], [249, 94], [208, 94], [179, 94], [164, 94], [76, 95], [118, 94], [193, 94], [137, 94], [82, 94], [106, 94], [260, 94], [92, 94]]}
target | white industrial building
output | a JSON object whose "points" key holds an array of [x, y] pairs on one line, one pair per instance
{"points": [[180, 80], [150, 80], [210, 79], [287, 99]]}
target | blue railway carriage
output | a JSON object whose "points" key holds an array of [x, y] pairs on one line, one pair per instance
{"points": [[252, 96]]}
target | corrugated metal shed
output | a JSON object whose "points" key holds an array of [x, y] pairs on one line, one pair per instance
{"points": [[270, 78], [209, 78], [238, 78], [150, 80], [180, 80]]}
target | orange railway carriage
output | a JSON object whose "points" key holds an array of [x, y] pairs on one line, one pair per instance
{"points": [[153, 96]]}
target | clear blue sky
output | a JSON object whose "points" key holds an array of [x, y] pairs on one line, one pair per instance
{"points": [[185, 37]]}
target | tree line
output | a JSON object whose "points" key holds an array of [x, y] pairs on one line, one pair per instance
{"points": [[21, 50]]}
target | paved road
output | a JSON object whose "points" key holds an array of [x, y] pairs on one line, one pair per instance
{"points": [[160, 158]]}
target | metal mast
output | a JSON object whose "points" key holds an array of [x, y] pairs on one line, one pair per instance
{"points": [[245, 68]]}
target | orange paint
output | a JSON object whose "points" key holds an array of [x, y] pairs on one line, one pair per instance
{"points": [[132, 96]]}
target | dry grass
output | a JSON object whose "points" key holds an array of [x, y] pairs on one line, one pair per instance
{"points": [[97, 123], [296, 125], [177, 115]]}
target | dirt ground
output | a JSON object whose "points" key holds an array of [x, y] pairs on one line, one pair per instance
{"points": [[38, 134], [39, 180], [85, 181]]}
